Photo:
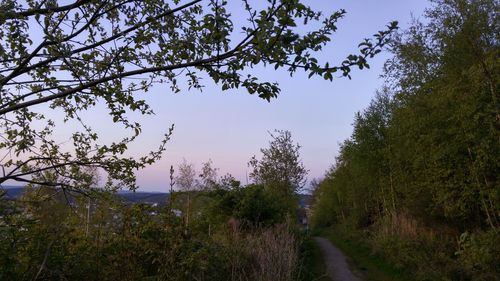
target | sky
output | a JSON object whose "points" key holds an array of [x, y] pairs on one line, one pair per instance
{"points": [[230, 127]]}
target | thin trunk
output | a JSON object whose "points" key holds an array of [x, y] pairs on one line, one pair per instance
{"points": [[392, 191], [492, 203], [44, 262], [481, 194], [493, 207], [188, 208], [88, 219], [490, 80], [384, 200], [391, 180], [341, 207]]}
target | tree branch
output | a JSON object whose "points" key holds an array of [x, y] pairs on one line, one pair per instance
{"points": [[18, 72], [32, 12]]}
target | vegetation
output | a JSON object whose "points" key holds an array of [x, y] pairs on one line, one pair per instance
{"points": [[61, 61], [314, 263], [209, 229], [373, 267], [413, 194], [418, 179], [280, 165], [280, 170]]}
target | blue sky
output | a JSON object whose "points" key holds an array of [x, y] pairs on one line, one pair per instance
{"points": [[230, 127]]}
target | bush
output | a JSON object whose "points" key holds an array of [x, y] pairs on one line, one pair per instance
{"points": [[479, 255]]}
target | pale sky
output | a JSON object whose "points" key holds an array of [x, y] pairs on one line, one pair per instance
{"points": [[230, 127]]}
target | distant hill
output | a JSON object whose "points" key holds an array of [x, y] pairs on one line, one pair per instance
{"points": [[145, 197], [14, 192], [304, 199]]}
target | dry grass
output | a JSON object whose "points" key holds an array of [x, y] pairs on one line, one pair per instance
{"points": [[275, 254], [264, 254], [404, 225]]}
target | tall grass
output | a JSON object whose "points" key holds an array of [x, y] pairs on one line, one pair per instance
{"points": [[263, 254], [275, 254]]}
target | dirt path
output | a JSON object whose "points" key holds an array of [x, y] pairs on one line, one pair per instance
{"points": [[336, 265]]}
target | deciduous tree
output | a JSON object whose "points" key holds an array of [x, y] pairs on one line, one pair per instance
{"points": [[280, 168]]}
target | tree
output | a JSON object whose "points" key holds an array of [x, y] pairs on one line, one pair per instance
{"points": [[65, 59], [450, 111], [420, 170], [280, 167], [186, 177], [208, 176], [186, 181], [229, 182]]}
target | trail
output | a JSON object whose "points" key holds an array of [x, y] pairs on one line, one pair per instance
{"points": [[336, 265]]}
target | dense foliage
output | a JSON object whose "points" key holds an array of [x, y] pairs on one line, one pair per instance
{"points": [[420, 173], [233, 234], [280, 170], [209, 229], [280, 165]]}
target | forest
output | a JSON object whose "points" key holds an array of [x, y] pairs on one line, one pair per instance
{"points": [[417, 182]]}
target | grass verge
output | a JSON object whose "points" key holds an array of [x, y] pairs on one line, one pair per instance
{"points": [[360, 257], [314, 265]]}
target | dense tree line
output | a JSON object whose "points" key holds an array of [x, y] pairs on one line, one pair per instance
{"points": [[420, 173]]}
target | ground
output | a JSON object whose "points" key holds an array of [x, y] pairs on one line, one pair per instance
{"points": [[336, 265]]}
